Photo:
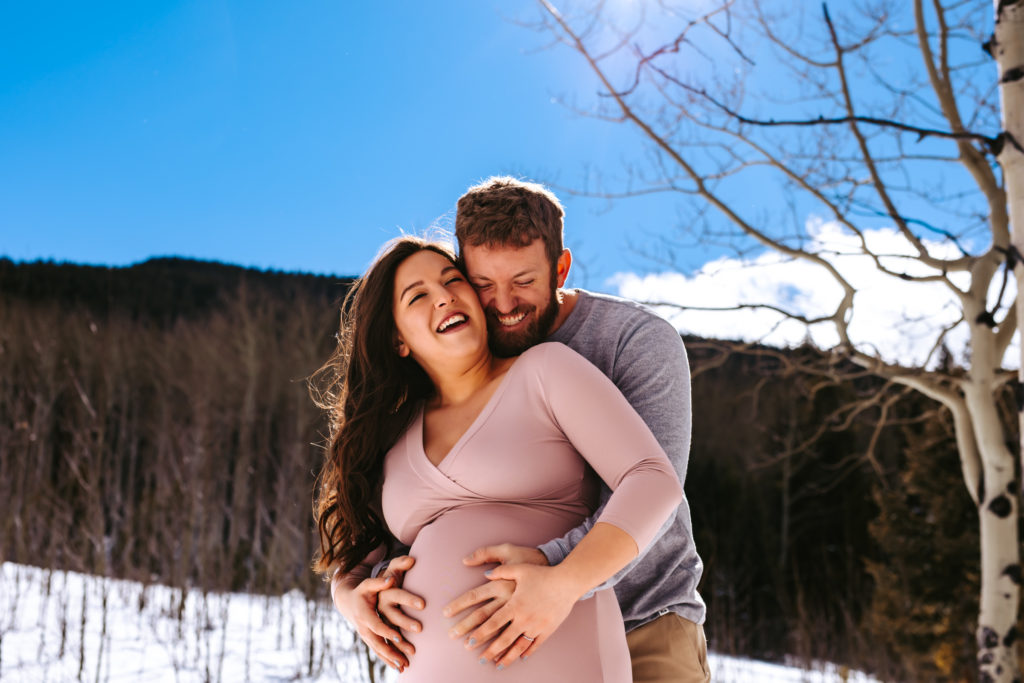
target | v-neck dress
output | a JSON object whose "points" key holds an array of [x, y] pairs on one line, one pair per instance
{"points": [[523, 473]]}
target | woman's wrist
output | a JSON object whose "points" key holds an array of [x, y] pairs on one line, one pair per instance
{"points": [[341, 594], [604, 550], [570, 580]]}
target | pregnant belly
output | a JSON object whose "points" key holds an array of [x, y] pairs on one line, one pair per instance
{"points": [[439, 575], [590, 645]]}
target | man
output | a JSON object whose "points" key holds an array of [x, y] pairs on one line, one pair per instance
{"points": [[510, 240]]}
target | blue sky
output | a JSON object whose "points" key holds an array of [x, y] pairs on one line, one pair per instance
{"points": [[294, 136]]}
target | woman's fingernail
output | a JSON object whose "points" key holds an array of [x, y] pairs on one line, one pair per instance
{"points": [[500, 667], [483, 660], [525, 657], [488, 572]]}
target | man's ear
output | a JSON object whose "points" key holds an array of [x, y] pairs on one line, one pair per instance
{"points": [[562, 267]]}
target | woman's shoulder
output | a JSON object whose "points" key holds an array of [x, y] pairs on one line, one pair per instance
{"points": [[559, 374], [548, 350], [552, 357]]}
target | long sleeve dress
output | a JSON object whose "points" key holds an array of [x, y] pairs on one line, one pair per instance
{"points": [[520, 474]]}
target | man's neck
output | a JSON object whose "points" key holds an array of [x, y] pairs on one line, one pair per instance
{"points": [[567, 299]]}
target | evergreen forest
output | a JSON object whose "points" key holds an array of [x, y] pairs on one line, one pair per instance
{"points": [[156, 425]]}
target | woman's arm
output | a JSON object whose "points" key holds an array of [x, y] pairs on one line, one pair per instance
{"points": [[603, 551], [616, 442]]}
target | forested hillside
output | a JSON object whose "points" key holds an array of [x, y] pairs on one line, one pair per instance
{"points": [[155, 424]]}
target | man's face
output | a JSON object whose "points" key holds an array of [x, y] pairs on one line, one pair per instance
{"points": [[518, 292]]}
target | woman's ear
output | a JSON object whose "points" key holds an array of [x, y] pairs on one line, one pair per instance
{"points": [[401, 348]]}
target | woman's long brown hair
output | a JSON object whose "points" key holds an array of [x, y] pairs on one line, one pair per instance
{"points": [[371, 395]]}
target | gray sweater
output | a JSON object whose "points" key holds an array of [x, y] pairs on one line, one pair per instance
{"points": [[645, 358]]}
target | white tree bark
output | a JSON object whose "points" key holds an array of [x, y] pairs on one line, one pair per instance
{"points": [[997, 517], [689, 118], [1001, 570]]}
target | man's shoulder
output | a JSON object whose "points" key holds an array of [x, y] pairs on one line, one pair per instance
{"points": [[625, 314], [617, 334], [610, 302]]}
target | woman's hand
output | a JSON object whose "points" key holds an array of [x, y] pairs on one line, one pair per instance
{"points": [[544, 596], [493, 594], [541, 600], [491, 597]]}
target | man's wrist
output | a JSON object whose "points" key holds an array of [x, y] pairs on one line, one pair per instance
{"points": [[538, 557], [553, 552]]}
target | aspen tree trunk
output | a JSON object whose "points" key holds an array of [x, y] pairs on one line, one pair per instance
{"points": [[997, 652], [1000, 553]]}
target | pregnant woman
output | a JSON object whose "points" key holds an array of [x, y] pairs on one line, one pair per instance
{"points": [[441, 445]]}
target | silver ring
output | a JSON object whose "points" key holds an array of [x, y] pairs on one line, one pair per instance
{"points": [[526, 637]]}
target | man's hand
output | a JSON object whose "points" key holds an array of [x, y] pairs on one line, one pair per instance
{"points": [[392, 599], [506, 553], [366, 606]]}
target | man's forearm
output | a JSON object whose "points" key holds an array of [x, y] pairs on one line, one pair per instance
{"points": [[397, 550]]}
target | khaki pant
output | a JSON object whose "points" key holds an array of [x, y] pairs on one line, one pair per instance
{"points": [[669, 649]]}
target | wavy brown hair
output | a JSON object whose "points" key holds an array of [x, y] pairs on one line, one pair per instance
{"points": [[371, 395]]}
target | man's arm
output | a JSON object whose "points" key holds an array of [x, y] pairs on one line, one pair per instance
{"points": [[398, 550]]}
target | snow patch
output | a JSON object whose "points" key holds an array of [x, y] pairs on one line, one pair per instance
{"points": [[64, 626]]}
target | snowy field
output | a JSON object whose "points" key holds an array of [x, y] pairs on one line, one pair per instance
{"points": [[63, 626]]}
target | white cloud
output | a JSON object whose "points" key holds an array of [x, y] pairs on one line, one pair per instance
{"points": [[897, 319]]}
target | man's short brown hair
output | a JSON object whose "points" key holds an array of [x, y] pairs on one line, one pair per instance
{"points": [[505, 211]]}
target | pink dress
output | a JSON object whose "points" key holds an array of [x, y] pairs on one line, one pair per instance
{"points": [[519, 474]]}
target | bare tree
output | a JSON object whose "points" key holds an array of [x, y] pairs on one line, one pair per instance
{"points": [[871, 116]]}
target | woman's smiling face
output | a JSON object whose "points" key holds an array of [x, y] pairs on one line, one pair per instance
{"points": [[437, 313]]}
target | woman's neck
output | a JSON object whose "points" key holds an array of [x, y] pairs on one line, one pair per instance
{"points": [[458, 385]]}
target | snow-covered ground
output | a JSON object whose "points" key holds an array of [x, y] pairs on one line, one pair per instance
{"points": [[63, 626]]}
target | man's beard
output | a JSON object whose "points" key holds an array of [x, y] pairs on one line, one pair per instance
{"points": [[504, 343]]}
